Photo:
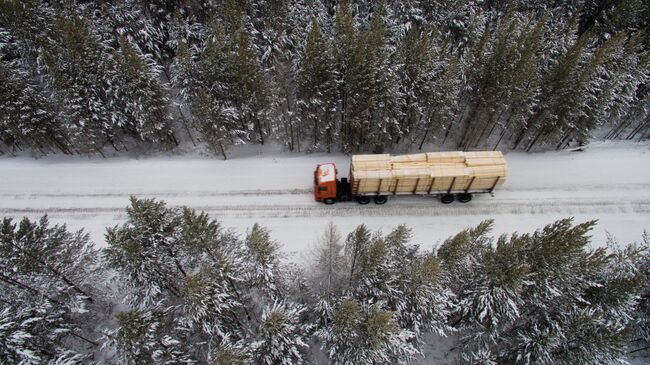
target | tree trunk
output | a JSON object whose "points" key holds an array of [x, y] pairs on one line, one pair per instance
{"points": [[223, 151], [465, 138], [185, 124], [563, 141], [258, 125], [618, 128], [534, 141], [639, 128]]}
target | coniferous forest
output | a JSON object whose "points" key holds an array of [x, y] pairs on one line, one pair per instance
{"points": [[87, 77], [173, 286]]}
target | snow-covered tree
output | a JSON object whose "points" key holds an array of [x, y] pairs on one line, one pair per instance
{"points": [[27, 120], [82, 73], [317, 93], [543, 297], [328, 276], [283, 335], [382, 280], [196, 282], [148, 251], [51, 296], [249, 89], [641, 342], [149, 336], [365, 334], [142, 99]]}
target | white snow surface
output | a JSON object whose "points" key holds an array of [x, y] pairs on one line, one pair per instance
{"points": [[608, 181]]}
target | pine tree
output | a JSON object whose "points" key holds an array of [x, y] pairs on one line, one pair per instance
{"points": [[143, 101], [249, 90], [542, 298], [148, 252], [207, 82], [365, 334], [564, 92], [215, 123], [415, 289], [264, 265], [386, 282], [83, 75], [387, 98], [345, 50], [27, 120], [193, 282], [51, 297], [318, 91], [357, 244], [146, 336], [443, 96], [642, 315], [417, 75], [328, 277], [526, 86], [283, 334]]}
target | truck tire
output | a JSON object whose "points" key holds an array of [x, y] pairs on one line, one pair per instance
{"points": [[380, 199], [329, 201], [363, 200], [464, 197], [447, 198]]}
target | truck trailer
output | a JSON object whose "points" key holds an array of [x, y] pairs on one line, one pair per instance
{"points": [[449, 175]]}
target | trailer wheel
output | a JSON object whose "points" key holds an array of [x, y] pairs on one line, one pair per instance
{"points": [[380, 199], [464, 197], [329, 201], [363, 200], [447, 199]]}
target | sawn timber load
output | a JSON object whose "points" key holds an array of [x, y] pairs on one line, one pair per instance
{"points": [[449, 175]]}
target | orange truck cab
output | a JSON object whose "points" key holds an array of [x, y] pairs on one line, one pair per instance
{"points": [[325, 182], [327, 187]]}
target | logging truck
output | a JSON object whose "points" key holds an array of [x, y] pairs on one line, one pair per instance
{"points": [[447, 175]]}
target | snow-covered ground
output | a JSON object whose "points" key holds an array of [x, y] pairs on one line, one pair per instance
{"points": [[609, 182]]}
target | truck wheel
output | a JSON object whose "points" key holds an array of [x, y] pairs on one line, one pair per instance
{"points": [[363, 200], [329, 201], [464, 197], [380, 199], [447, 199]]}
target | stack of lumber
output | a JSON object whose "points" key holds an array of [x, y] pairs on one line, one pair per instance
{"points": [[371, 162], [372, 173], [431, 172]]}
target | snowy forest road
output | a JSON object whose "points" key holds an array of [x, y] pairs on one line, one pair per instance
{"points": [[609, 182], [636, 200]]}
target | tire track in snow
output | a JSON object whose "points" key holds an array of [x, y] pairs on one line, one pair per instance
{"points": [[299, 191], [429, 207]]}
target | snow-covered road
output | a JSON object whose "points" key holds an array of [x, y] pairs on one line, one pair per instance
{"points": [[609, 182]]}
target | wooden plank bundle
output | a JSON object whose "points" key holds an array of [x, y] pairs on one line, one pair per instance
{"points": [[428, 173], [446, 157], [371, 162]]}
